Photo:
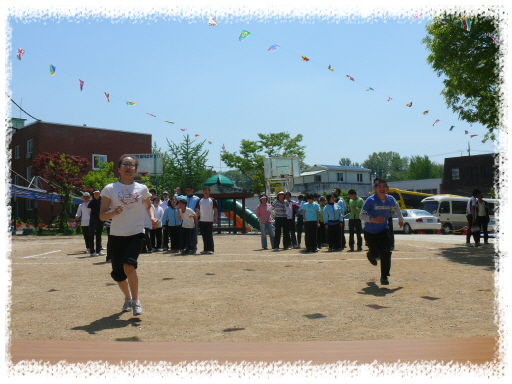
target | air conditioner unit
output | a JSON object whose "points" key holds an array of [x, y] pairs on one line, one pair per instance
{"points": [[29, 155]]}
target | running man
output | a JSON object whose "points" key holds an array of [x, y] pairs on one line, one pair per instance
{"points": [[375, 214], [130, 204]]}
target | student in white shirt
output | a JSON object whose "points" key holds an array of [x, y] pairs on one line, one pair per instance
{"points": [[157, 233], [207, 213], [130, 204], [83, 212], [165, 234], [189, 222]]}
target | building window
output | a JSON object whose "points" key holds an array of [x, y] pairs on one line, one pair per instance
{"points": [[30, 145], [339, 176], [360, 177], [30, 204], [17, 152], [455, 173], [97, 160], [489, 171], [29, 173], [318, 178], [16, 180], [475, 173]]}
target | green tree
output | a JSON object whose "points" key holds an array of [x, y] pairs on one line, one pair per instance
{"points": [[387, 165], [249, 161], [237, 177], [97, 179], [184, 164], [420, 167], [347, 162], [468, 60]]}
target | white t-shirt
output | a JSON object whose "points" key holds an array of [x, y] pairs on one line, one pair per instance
{"points": [[188, 222], [163, 204], [131, 220], [159, 213], [206, 209], [84, 213], [471, 202]]}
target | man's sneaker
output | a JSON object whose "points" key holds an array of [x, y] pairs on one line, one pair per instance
{"points": [[329, 250], [165, 249], [210, 252], [296, 246], [384, 281], [184, 252], [127, 307], [371, 259], [94, 254], [359, 249], [477, 244], [340, 249], [276, 249], [102, 248], [160, 249], [137, 308], [101, 253], [109, 261], [352, 249], [87, 250], [204, 252], [469, 245]]}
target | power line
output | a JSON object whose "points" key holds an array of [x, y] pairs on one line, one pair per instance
{"points": [[22, 108]]}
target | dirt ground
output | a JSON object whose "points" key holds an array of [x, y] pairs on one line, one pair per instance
{"points": [[438, 289]]}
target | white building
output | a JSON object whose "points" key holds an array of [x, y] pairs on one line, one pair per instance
{"points": [[323, 178]]}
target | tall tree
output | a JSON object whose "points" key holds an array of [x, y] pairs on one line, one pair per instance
{"points": [[347, 162], [99, 178], [387, 165], [62, 171], [184, 164], [420, 167], [238, 178], [252, 153], [469, 61]]}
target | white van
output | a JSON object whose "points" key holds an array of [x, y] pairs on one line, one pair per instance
{"points": [[451, 210]]}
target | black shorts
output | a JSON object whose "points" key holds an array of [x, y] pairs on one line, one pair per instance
{"points": [[125, 250]]}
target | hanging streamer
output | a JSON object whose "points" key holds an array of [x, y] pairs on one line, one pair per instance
{"points": [[81, 85], [244, 35], [107, 95], [274, 48], [52, 70]]}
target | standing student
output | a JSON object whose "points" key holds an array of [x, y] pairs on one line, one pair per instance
{"points": [[164, 204], [311, 211], [482, 220], [264, 216], [355, 204], [343, 206], [172, 224], [146, 246], [84, 214], [108, 223], [332, 220], [207, 213], [156, 234], [374, 215], [192, 202], [279, 207], [471, 216], [188, 219], [321, 237], [129, 203], [95, 224], [300, 219], [291, 211]]}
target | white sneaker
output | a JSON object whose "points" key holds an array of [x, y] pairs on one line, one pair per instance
{"points": [[469, 245], [127, 304], [101, 253], [137, 308], [87, 250], [94, 254], [160, 249]]}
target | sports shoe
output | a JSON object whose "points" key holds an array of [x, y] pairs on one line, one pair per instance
{"points": [[102, 248], [330, 249], [101, 253], [137, 308], [296, 246], [127, 307], [153, 249], [165, 249], [276, 249], [384, 281], [210, 252], [340, 249], [94, 254], [469, 245], [160, 249], [204, 252], [371, 259], [352, 249], [359, 249], [87, 250]]}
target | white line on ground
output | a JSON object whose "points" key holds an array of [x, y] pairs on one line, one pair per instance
{"points": [[41, 254]]}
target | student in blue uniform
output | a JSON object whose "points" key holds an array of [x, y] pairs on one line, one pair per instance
{"points": [[375, 215]]}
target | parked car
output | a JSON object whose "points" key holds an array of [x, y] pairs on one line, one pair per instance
{"points": [[414, 220]]}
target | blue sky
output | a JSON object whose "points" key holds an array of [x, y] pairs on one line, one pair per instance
{"points": [[208, 82]]}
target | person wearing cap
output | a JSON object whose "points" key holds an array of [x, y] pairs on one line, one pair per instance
{"points": [[95, 224], [264, 216], [279, 207], [84, 214], [165, 235]]}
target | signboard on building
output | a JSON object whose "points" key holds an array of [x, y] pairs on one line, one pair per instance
{"points": [[151, 164]]}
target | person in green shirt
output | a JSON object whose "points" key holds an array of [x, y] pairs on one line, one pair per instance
{"points": [[354, 223]]}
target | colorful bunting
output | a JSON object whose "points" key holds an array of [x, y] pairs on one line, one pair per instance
{"points": [[350, 77], [244, 35], [273, 48], [389, 98], [197, 135], [484, 140], [169, 122], [52, 70], [473, 136], [223, 147], [130, 103], [466, 132], [183, 129], [304, 58], [425, 112], [453, 126], [210, 142], [107, 95], [330, 68], [435, 122], [370, 89], [150, 114], [466, 24], [213, 21], [20, 54], [409, 105], [81, 85]]}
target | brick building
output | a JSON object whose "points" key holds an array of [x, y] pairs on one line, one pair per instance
{"points": [[465, 173], [95, 144]]}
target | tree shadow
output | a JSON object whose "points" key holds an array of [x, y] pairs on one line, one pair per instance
{"points": [[374, 290], [478, 257], [109, 322]]}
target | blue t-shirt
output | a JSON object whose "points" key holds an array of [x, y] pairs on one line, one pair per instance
{"points": [[374, 207], [332, 214], [192, 202], [310, 210]]}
